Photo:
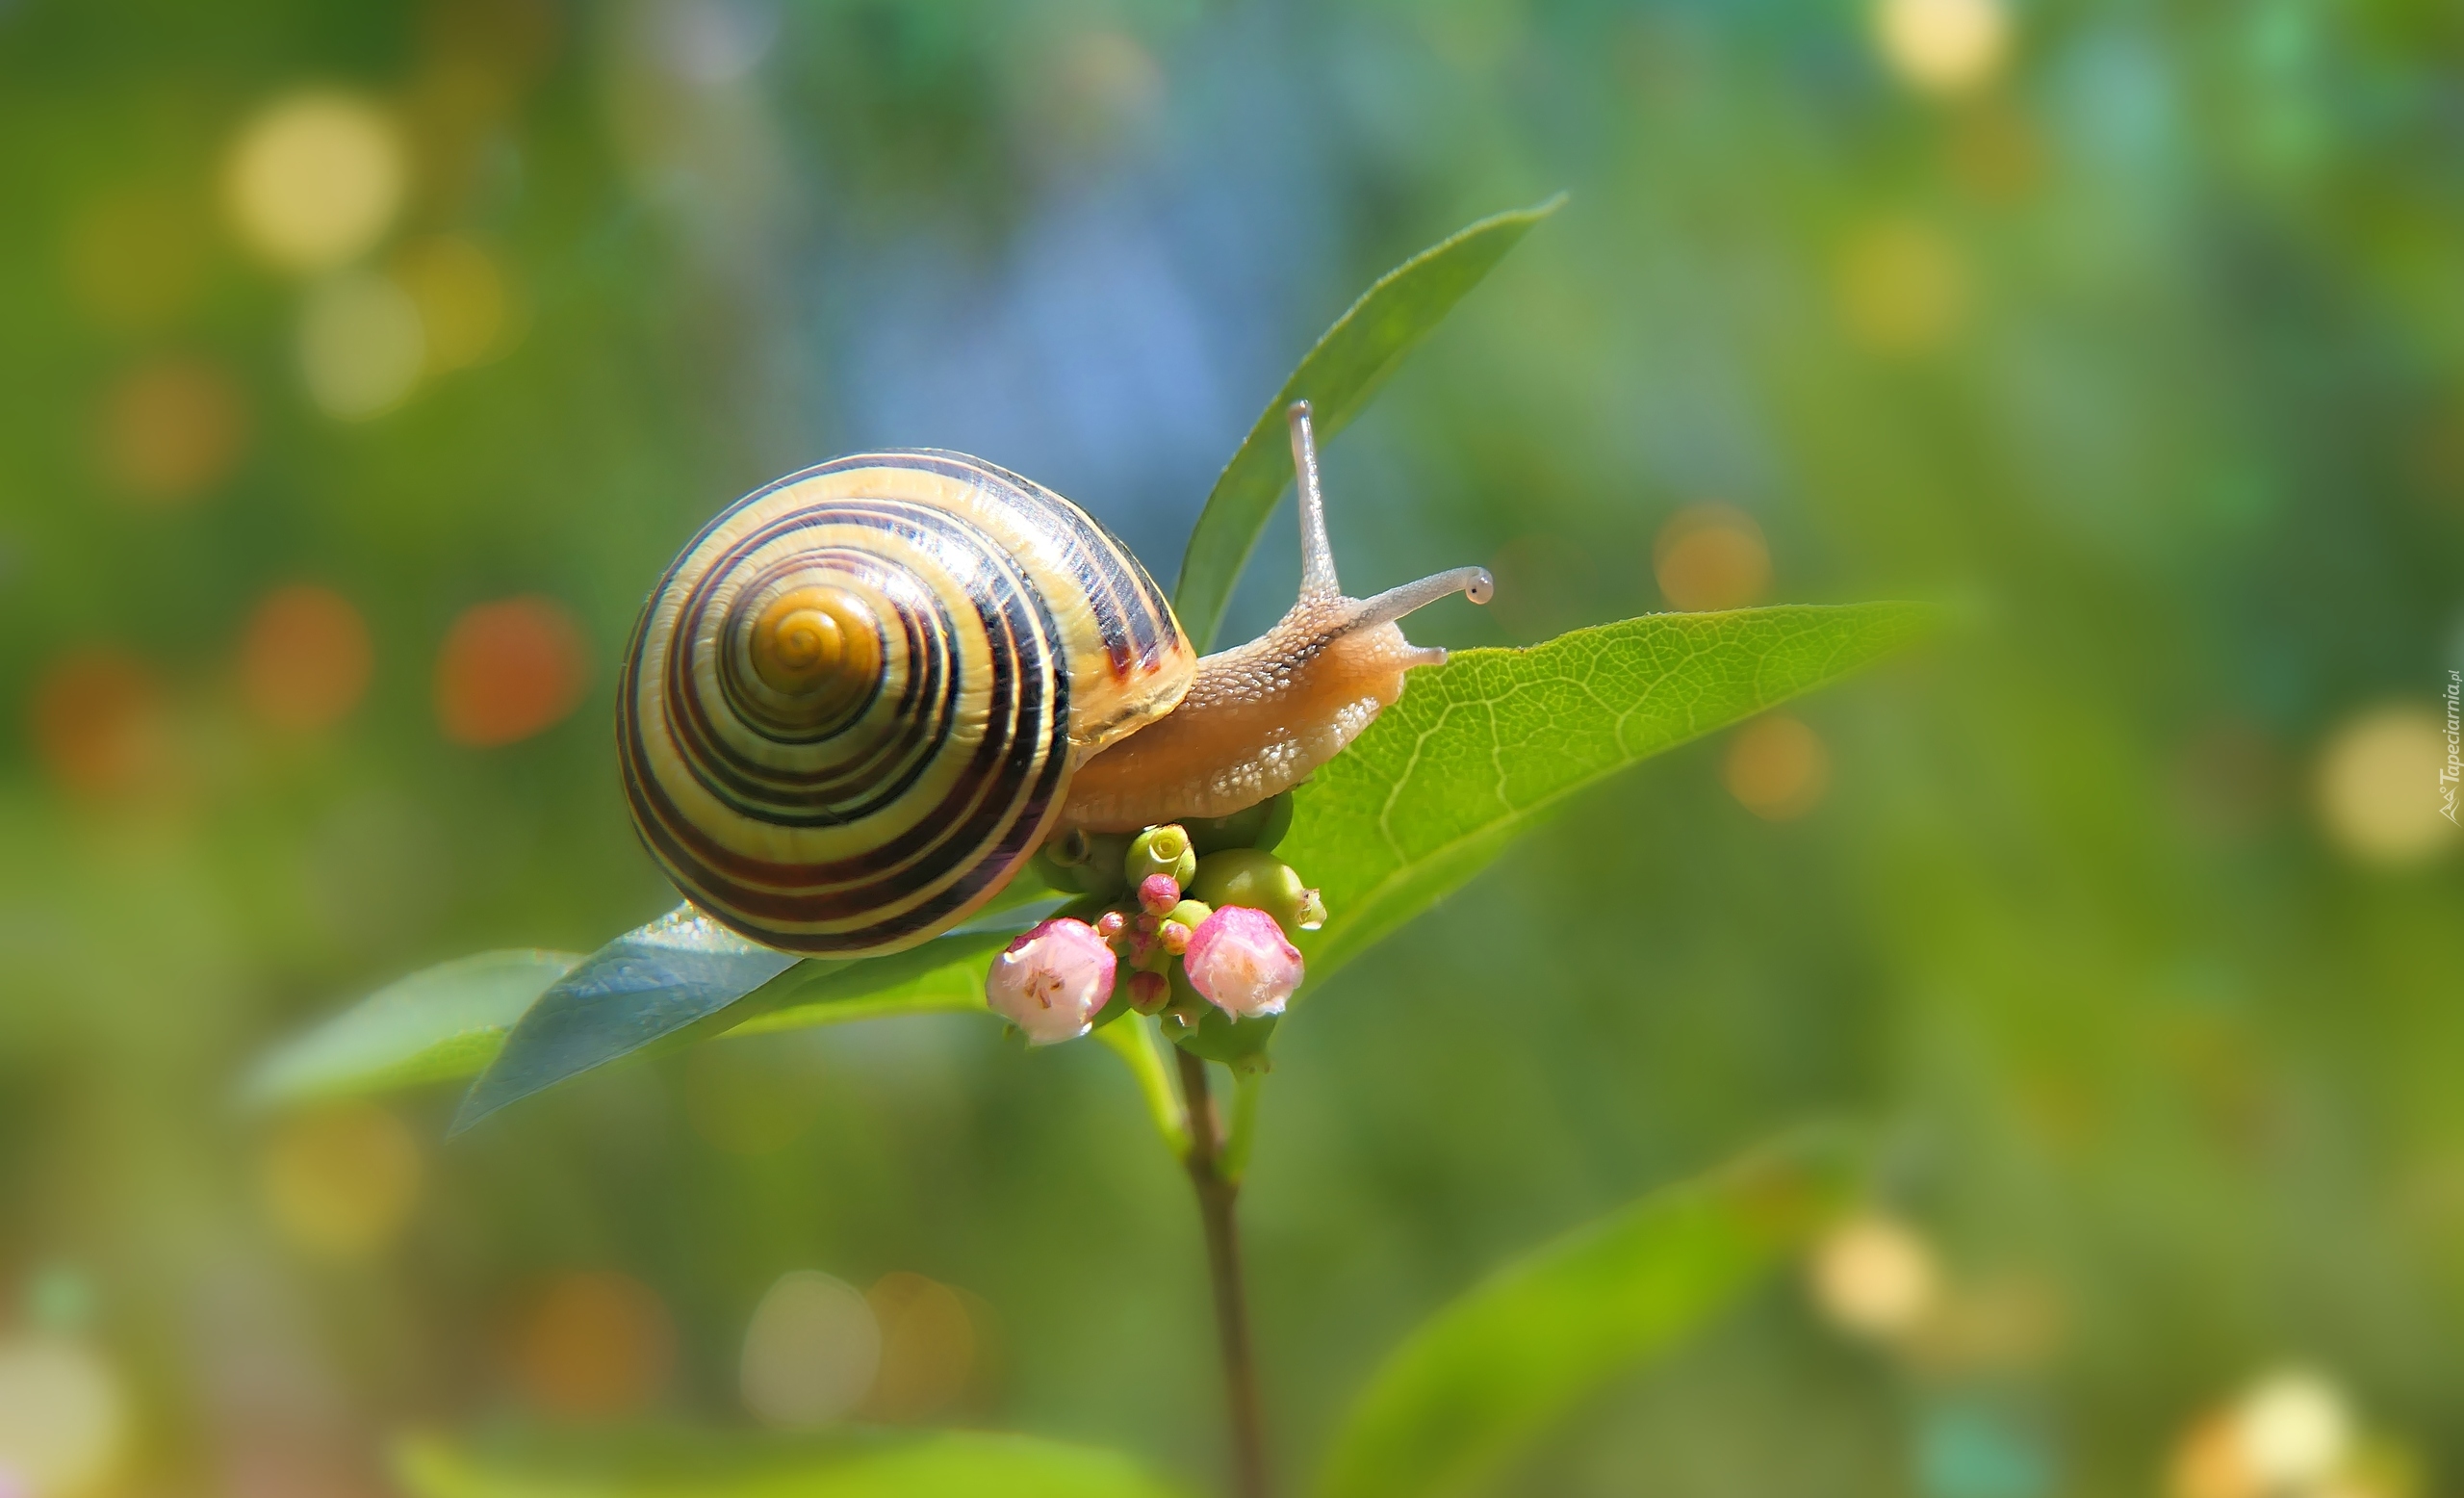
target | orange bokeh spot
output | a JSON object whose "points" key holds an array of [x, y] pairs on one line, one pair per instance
{"points": [[928, 1348], [2208, 1463], [509, 670], [305, 659], [172, 428], [597, 1345], [1710, 556], [1776, 768], [100, 723]]}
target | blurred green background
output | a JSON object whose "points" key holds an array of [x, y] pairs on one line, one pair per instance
{"points": [[360, 366]]}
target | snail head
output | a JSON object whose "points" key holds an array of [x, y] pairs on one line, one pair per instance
{"points": [[1261, 717]]}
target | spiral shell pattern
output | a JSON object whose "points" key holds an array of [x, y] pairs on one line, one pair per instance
{"points": [[852, 707]]}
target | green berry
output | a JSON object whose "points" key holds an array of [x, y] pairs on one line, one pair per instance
{"points": [[1084, 862], [1261, 881], [1160, 851], [1261, 826]]}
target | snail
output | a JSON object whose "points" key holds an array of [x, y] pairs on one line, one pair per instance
{"points": [[864, 694]]}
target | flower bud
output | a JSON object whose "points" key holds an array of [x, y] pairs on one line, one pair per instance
{"points": [[1260, 881], [1158, 894], [1052, 981], [1241, 961], [1161, 850], [1110, 923], [1149, 992], [1185, 918]]}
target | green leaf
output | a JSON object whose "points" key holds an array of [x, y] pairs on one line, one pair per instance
{"points": [[1337, 378], [1479, 748], [945, 975], [1499, 1365], [685, 978], [653, 982], [443, 1022], [863, 1464]]}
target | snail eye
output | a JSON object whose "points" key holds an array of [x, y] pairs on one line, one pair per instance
{"points": [[819, 647]]}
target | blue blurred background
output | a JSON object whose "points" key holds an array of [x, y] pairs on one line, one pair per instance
{"points": [[361, 366]]}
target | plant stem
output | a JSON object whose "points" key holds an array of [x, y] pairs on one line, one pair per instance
{"points": [[1218, 1191]]}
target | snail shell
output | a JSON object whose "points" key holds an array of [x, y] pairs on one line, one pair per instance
{"points": [[851, 707], [865, 694]]}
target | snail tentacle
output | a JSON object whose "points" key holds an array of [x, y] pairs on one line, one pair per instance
{"points": [[1317, 552], [1472, 582]]}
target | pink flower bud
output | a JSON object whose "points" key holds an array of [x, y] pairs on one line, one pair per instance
{"points": [[1147, 992], [1052, 981], [1175, 937], [1158, 894], [1239, 960], [1110, 923]]}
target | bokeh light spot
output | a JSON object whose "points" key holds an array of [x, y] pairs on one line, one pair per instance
{"points": [[1903, 288], [136, 259], [927, 1348], [2379, 787], [2208, 1464], [1710, 556], [2290, 1432], [462, 300], [1776, 768], [305, 659], [809, 1352], [1969, 1449], [1105, 88], [1875, 1276], [1944, 47], [101, 723], [172, 428], [2294, 1431], [63, 1415], [340, 1181], [597, 1345], [361, 345], [314, 180], [509, 670]]}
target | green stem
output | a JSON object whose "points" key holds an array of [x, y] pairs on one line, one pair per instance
{"points": [[1246, 1087], [1218, 1192]]}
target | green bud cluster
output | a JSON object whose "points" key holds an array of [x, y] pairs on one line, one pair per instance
{"points": [[1203, 864]]}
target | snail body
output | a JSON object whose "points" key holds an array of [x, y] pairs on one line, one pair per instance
{"points": [[866, 693]]}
